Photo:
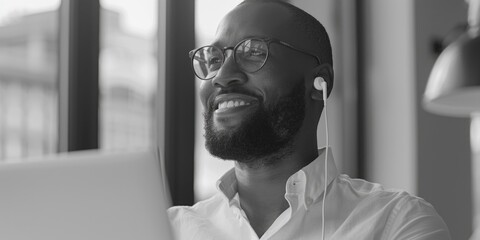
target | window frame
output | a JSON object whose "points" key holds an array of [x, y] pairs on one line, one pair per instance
{"points": [[79, 41], [177, 97]]}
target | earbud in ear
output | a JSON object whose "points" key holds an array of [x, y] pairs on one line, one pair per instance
{"points": [[320, 84]]}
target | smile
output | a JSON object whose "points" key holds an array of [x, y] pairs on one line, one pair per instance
{"points": [[232, 104], [231, 109], [232, 101]]}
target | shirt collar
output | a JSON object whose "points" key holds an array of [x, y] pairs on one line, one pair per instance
{"points": [[311, 178], [307, 183], [227, 184]]}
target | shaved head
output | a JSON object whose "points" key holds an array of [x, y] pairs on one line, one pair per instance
{"points": [[307, 24]]}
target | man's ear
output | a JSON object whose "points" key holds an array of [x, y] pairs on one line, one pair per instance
{"points": [[324, 71]]}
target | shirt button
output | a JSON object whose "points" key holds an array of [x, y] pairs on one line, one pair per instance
{"points": [[308, 201]]}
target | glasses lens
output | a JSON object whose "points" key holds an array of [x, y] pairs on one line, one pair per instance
{"points": [[206, 62], [251, 54]]}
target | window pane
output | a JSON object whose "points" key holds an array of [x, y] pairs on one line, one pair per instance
{"points": [[207, 168], [28, 78], [127, 73]]}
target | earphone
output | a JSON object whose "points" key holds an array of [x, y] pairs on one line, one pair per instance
{"points": [[320, 84]]}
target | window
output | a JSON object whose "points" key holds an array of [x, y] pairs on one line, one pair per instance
{"points": [[29, 66], [28, 78], [128, 74]]}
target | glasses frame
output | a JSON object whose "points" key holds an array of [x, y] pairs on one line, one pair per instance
{"points": [[268, 41]]}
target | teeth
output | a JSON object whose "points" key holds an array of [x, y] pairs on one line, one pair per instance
{"points": [[232, 104]]}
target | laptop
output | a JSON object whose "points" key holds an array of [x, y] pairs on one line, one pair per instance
{"points": [[83, 195]]}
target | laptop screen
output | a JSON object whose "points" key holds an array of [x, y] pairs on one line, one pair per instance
{"points": [[84, 195]]}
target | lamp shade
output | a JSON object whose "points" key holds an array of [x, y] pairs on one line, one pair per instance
{"points": [[453, 88]]}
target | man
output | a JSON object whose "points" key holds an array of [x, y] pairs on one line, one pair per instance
{"points": [[262, 110]]}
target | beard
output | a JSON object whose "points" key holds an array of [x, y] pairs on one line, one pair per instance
{"points": [[264, 136]]}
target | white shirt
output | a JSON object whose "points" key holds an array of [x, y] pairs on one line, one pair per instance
{"points": [[355, 209]]}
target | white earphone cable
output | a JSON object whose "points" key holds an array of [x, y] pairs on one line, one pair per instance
{"points": [[325, 183]]}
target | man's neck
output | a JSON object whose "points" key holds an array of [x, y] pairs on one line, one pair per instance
{"points": [[262, 189]]}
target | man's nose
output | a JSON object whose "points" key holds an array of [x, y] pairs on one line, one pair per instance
{"points": [[229, 74]]}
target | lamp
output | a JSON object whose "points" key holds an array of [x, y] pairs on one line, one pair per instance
{"points": [[453, 88]]}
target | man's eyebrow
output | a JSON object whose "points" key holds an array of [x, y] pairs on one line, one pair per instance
{"points": [[216, 44], [259, 37], [219, 44]]}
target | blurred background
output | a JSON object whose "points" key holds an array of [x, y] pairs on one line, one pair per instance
{"points": [[115, 75]]}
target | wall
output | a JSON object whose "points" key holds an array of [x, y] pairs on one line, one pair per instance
{"points": [[405, 146], [388, 67], [443, 143]]}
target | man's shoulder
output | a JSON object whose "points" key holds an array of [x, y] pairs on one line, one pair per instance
{"points": [[374, 196], [201, 209], [398, 210], [366, 190]]}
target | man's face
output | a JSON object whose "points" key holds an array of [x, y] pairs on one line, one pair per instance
{"points": [[255, 115]]}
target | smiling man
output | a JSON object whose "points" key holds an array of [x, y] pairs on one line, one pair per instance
{"points": [[261, 110]]}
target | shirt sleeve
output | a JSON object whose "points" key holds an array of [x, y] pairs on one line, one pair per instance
{"points": [[415, 219]]}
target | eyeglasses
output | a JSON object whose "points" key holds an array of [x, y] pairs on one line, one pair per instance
{"points": [[250, 55]]}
